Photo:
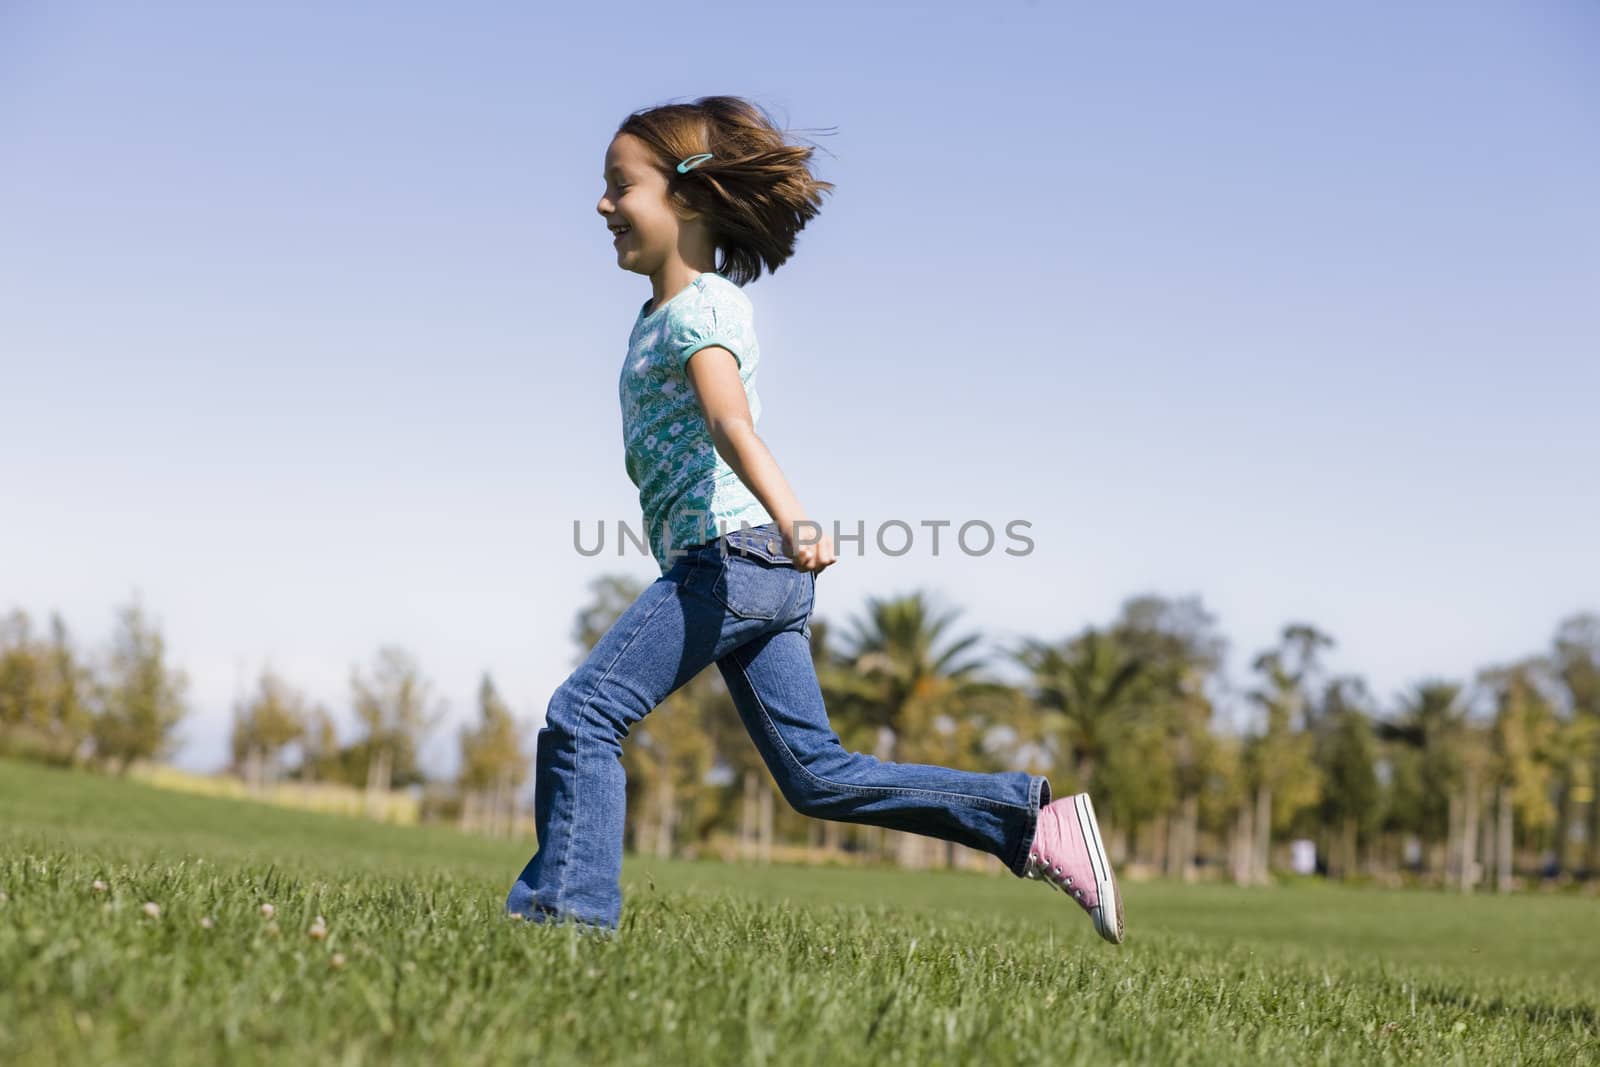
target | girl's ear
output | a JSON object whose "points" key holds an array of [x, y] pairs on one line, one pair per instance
{"points": [[683, 212]]}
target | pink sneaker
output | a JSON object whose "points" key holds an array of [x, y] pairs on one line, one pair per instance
{"points": [[1067, 853]]}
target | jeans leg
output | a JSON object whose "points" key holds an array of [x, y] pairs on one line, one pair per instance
{"points": [[774, 685], [660, 642]]}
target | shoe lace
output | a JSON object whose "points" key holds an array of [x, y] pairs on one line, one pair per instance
{"points": [[1051, 872]]}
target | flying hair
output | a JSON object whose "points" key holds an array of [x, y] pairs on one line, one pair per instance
{"points": [[757, 191]]}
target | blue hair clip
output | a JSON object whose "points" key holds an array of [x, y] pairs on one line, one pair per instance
{"points": [[692, 162]]}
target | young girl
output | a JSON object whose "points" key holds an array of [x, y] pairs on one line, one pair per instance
{"points": [[739, 564]]}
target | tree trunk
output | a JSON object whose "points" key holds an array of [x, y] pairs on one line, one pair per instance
{"points": [[831, 836], [1592, 838], [1243, 836], [1263, 842], [1489, 839], [252, 769], [912, 852], [1347, 866], [1185, 839], [1486, 840], [766, 823], [1564, 814], [1452, 844], [507, 808], [666, 813], [1174, 846], [378, 776], [1118, 844], [1503, 844], [1469, 833], [747, 817]]}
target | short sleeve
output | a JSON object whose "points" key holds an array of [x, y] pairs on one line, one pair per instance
{"points": [[717, 317]]}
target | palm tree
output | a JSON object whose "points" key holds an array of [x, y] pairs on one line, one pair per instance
{"points": [[909, 683], [1346, 752], [903, 669], [1430, 728], [1088, 688], [1090, 691]]}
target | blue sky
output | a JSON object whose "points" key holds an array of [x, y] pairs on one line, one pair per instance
{"points": [[310, 332]]}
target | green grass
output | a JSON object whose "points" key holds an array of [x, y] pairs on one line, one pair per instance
{"points": [[719, 963]]}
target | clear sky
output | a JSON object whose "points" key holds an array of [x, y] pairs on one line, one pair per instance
{"points": [[310, 332]]}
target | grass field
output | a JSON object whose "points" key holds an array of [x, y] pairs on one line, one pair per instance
{"points": [[717, 963]]}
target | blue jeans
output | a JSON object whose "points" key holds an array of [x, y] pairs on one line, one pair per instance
{"points": [[739, 602]]}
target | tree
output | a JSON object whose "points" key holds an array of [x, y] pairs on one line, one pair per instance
{"points": [[1427, 738], [396, 710], [140, 697], [1181, 651], [669, 757], [907, 668], [67, 688], [1225, 806], [1089, 688], [1577, 664], [1127, 710], [1285, 777], [911, 680], [493, 763], [1347, 755], [319, 748], [1525, 735], [274, 718], [44, 710], [20, 691]]}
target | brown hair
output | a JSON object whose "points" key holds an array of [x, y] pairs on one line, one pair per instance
{"points": [[756, 192]]}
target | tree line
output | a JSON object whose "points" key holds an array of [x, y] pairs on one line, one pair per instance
{"points": [[1484, 780]]}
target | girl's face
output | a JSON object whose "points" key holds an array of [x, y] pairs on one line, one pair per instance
{"points": [[636, 198]]}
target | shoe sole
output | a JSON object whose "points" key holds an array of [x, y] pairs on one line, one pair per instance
{"points": [[1105, 882]]}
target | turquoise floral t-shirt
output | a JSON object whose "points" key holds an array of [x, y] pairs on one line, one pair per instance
{"points": [[687, 492]]}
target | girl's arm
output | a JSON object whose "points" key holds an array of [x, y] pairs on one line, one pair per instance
{"points": [[714, 373]]}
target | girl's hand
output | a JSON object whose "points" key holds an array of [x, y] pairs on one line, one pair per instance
{"points": [[811, 557]]}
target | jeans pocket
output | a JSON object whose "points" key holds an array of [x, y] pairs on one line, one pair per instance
{"points": [[752, 587]]}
